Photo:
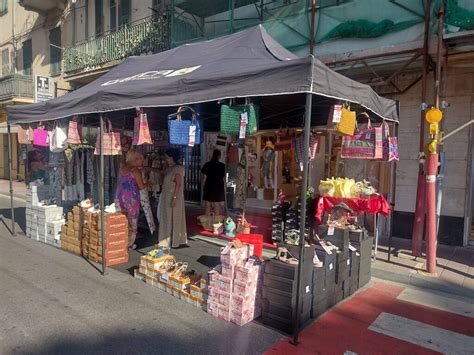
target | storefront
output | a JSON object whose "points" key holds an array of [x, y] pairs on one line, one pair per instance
{"points": [[276, 147]]}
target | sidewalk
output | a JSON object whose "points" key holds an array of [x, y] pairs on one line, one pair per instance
{"points": [[455, 267], [455, 264], [19, 188]]}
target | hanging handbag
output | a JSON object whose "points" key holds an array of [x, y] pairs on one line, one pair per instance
{"points": [[25, 136], [111, 142], [73, 136], [283, 140], [312, 149], [40, 137], [57, 139], [141, 132], [390, 145], [365, 144], [231, 117], [185, 132], [342, 120]]}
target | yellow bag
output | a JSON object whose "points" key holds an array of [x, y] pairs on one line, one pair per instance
{"points": [[327, 187], [347, 125], [344, 187]]}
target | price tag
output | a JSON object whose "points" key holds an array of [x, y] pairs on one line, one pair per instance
{"points": [[244, 120], [331, 230], [307, 289], [325, 247], [336, 116], [192, 135], [352, 248], [348, 262], [367, 135], [331, 266]]}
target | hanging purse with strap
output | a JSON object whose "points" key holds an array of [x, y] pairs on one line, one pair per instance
{"points": [[232, 115], [390, 144], [141, 132], [25, 136], [185, 132], [58, 139], [111, 142], [342, 120], [365, 144], [40, 136], [73, 135]]}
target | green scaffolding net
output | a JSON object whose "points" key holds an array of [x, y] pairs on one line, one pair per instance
{"points": [[288, 21]]}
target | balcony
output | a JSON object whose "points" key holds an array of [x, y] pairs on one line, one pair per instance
{"points": [[16, 86], [43, 6], [149, 36]]}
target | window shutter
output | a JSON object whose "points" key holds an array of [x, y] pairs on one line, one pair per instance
{"points": [[27, 57]]}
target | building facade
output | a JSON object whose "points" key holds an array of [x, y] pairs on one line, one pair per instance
{"points": [[379, 42]]}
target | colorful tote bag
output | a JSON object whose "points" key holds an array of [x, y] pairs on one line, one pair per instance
{"points": [[25, 136], [390, 145], [231, 117], [364, 144], [73, 136], [58, 139], [185, 132], [141, 132], [111, 142], [40, 137], [299, 147]]}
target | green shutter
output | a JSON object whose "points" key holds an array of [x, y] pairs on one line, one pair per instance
{"points": [[113, 15], [99, 17], [125, 12], [27, 57], [4, 5], [55, 50]]}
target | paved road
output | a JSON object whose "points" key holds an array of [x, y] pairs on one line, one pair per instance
{"points": [[53, 302]]}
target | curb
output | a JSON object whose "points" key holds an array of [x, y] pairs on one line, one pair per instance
{"points": [[417, 281]]}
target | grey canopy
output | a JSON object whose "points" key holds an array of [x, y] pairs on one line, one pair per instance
{"points": [[245, 64]]}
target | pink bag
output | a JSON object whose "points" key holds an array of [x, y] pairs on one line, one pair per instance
{"points": [[364, 144], [25, 136], [73, 136], [40, 137], [111, 141], [313, 147], [390, 145], [141, 132]]}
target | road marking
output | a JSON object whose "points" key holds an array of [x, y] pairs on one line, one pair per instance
{"points": [[439, 300], [424, 335]]}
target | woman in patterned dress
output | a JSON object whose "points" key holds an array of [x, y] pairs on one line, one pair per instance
{"points": [[128, 192]]}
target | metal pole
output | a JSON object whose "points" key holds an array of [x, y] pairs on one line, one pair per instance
{"points": [[10, 175], [313, 15], [304, 184], [101, 192], [418, 224]]}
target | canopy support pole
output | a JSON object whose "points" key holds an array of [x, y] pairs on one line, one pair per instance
{"points": [[304, 184], [10, 175], [101, 192]]}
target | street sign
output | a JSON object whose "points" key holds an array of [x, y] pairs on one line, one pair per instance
{"points": [[44, 88]]}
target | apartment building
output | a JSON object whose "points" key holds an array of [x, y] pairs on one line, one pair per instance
{"points": [[380, 42]]}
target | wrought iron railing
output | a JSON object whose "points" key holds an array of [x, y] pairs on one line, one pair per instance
{"points": [[149, 36], [16, 85]]}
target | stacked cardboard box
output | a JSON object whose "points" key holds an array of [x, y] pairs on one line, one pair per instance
{"points": [[192, 290], [324, 281], [116, 238], [235, 288], [71, 232], [43, 222]]}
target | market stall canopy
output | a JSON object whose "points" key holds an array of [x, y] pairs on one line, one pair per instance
{"points": [[245, 64]]}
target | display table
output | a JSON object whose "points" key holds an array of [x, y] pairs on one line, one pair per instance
{"points": [[374, 205]]}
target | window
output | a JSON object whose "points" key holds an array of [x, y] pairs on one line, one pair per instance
{"points": [[55, 50], [113, 15], [99, 17], [3, 6], [27, 57], [125, 12], [5, 62]]}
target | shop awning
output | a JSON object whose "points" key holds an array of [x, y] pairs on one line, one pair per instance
{"points": [[248, 63]]}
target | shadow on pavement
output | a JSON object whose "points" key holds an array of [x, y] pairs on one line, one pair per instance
{"points": [[20, 217]]}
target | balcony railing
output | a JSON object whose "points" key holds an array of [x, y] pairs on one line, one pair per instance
{"points": [[16, 85], [151, 35]]}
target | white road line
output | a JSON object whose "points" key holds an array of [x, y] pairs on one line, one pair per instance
{"points": [[427, 336], [439, 300]]}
